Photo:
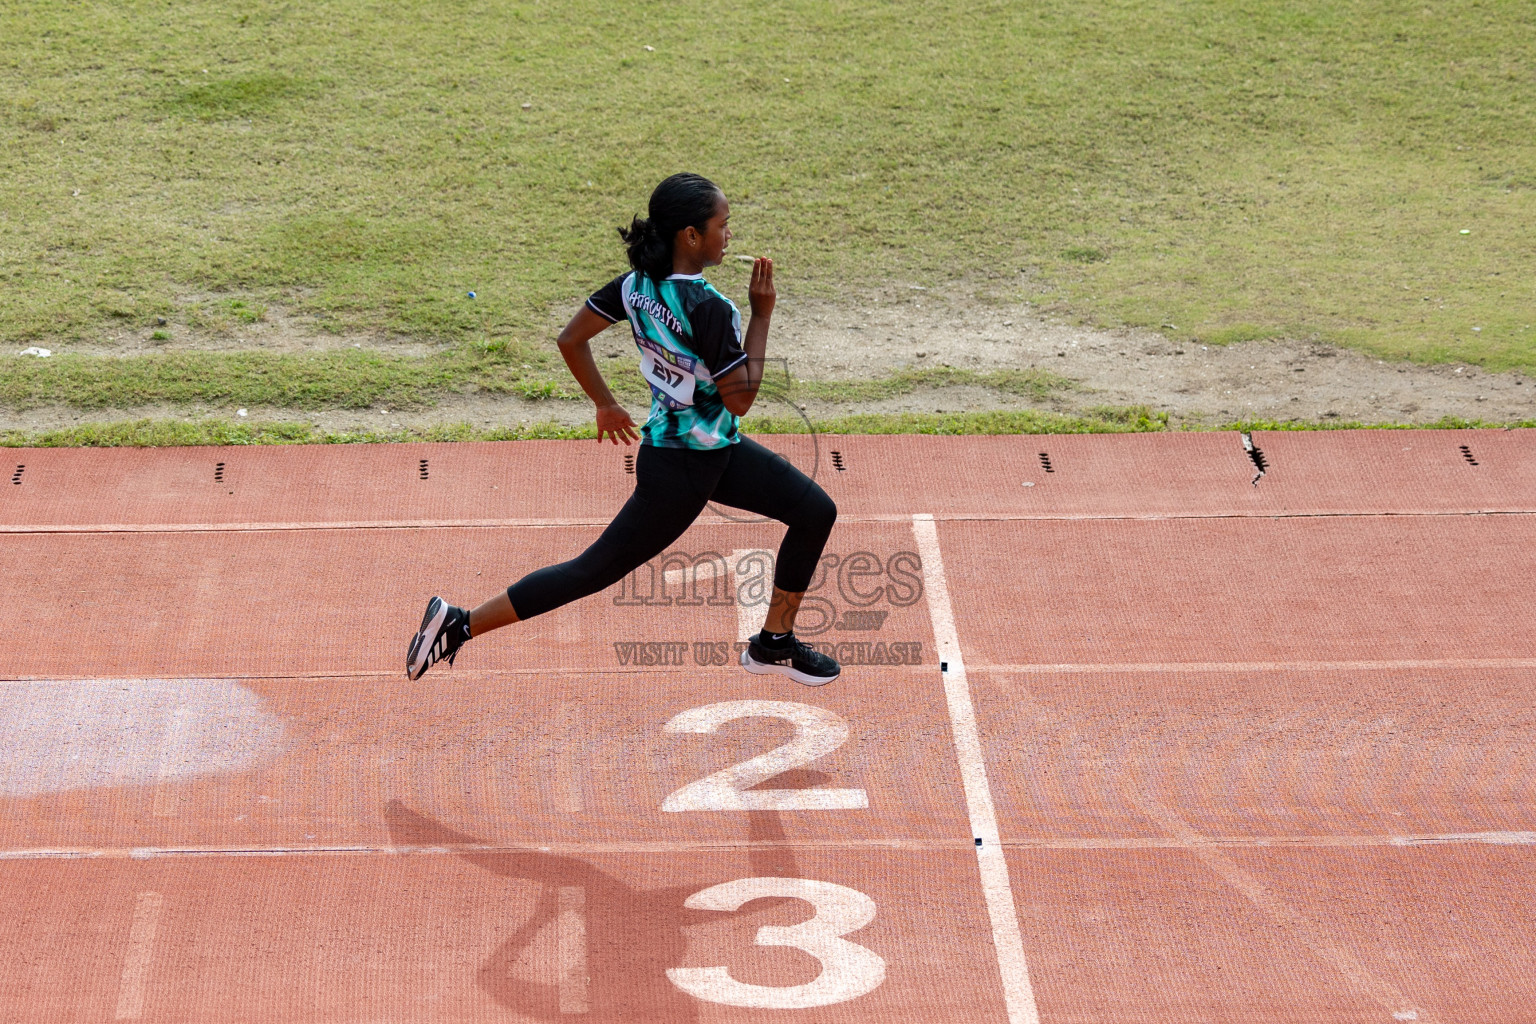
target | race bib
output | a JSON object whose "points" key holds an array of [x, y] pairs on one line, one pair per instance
{"points": [[666, 376]]}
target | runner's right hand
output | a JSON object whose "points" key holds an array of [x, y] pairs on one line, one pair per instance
{"points": [[612, 419]]}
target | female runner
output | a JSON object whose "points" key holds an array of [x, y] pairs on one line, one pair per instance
{"points": [[704, 375]]}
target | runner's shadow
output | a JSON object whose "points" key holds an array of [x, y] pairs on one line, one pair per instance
{"points": [[631, 935]]}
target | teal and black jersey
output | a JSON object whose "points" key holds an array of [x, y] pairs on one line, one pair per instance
{"points": [[689, 336]]}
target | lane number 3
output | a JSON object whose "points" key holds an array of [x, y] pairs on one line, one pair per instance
{"points": [[818, 732], [848, 970]]}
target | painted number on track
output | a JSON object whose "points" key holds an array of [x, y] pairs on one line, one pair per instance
{"points": [[818, 732], [848, 970]]}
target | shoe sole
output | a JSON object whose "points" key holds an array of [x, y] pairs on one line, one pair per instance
{"points": [[426, 636], [765, 668]]}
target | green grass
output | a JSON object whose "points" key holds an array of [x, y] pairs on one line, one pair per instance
{"points": [[152, 433], [1300, 168], [223, 99], [155, 433], [355, 379], [348, 379], [1029, 383]]}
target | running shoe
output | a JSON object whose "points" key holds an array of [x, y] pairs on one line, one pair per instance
{"points": [[796, 659], [443, 631]]}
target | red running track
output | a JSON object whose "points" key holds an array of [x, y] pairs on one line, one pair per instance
{"points": [[1235, 751]]}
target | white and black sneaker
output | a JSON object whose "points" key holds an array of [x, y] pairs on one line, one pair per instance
{"points": [[788, 655], [443, 630]]}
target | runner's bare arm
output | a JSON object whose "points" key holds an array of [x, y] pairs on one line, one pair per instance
{"points": [[738, 389], [611, 417]]}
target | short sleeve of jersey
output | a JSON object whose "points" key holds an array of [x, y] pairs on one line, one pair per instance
{"points": [[717, 336], [608, 302]]}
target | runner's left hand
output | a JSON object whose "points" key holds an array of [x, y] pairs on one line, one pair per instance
{"points": [[760, 292], [612, 419]]}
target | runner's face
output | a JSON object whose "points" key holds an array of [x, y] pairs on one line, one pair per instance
{"points": [[717, 235]]}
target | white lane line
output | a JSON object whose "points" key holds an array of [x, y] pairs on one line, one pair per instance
{"points": [[997, 668], [703, 570], [751, 613], [1018, 993], [141, 950], [571, 942], [569, 767]]}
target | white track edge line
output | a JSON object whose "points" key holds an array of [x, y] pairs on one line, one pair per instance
{"points": [[1299, 842], [1025, 668], [1018, 992], [1108, 667]]}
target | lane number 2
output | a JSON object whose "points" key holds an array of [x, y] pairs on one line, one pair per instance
{"points": [[848, 970], [818, 732]]}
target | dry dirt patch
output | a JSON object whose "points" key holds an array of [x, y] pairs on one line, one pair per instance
{"points": [[815, 339]]}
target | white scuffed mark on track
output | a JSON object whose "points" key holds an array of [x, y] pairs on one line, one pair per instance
{"points": [[571, 942], [1490, 838], [570, 768], [750, 614], [556, 955], [141, 950], [682, 577], [174, 750], [61, 735], [1018, 993]]}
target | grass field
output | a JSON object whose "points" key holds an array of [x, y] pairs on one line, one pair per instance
{"points": [[1303, 168], [355, 380], [1361, 173]]}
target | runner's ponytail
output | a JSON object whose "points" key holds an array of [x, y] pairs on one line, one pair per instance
{"points": [[682, 201]]}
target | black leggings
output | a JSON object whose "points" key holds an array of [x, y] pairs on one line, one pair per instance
{"points": [[672, 485]]}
